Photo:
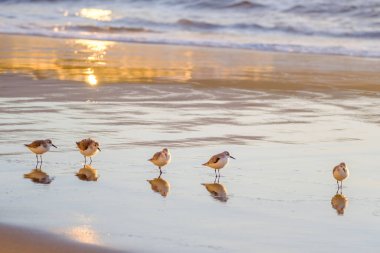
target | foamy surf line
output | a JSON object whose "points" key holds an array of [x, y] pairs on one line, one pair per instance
{"points": [[284, 48], [314, 27]]}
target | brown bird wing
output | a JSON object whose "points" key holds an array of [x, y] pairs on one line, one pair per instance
{"points": [[214, 159], [35, 144], [156, 156], [83, 144]]}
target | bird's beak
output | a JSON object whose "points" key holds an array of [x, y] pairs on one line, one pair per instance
{"points": [[232, 157], [99, 149], [54, 145]]}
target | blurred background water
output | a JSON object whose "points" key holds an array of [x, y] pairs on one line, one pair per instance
{"points": [[288, 119], [317, 26]]}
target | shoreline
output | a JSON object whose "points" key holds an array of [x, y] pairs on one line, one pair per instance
{"points": [[96, 62], [257, 50], [16, 239], [288, 112]]}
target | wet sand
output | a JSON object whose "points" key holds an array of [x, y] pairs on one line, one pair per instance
{"points": [[287, 118], [98, 62], [15, 240]]}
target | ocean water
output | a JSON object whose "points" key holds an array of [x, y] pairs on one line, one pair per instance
{"points": [[287, 120], [275, 197], [316, 26]]}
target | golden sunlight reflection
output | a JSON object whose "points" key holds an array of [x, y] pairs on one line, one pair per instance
{"points": [[91, 80], [90, 77], [97, 14], [95, 62], [84, 234], [95, 50], [95, 45]]}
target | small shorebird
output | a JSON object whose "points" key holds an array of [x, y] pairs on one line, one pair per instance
{"points": [[161, 158], [340, 172], [218, 161], [88, 148], [40, 147]]}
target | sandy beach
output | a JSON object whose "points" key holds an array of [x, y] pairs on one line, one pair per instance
{"points": [[106, 62], [14, 240], [287, 118]]}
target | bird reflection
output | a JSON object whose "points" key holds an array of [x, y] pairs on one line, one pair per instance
{"points": [[38, 176], [87, 173], [339, 202], [160, 186], [218, 191]]}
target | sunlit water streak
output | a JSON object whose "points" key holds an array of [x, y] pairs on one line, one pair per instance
{"points": [[286, 138], [315, 26]]}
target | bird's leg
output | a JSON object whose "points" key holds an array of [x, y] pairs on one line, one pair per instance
{"points": [[215, 179], [159, 167], [160, 174], [215, 173], [40, 165], [219, 173], [41, 160], [37, 158], [337, 182], [341, 185], [90, 160], [85, 160]]}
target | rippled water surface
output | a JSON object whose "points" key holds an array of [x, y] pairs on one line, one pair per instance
{"points": [[315, 26], [275, 197]]}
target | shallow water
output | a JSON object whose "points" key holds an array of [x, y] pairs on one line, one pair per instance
{"points": [[315, 26], [278, 190]]}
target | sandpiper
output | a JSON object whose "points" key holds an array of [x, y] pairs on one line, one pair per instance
{"points": [[161, 158], [88, 148], [340, 172], [218, 161], [40, 147]]}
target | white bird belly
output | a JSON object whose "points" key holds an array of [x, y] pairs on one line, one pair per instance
{"points": [[162, 161], [220, 164], [88, 152], [340, 174], [39, 150]]}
